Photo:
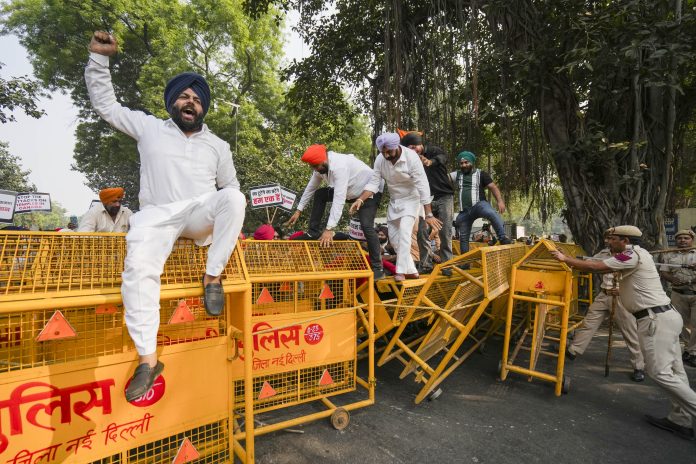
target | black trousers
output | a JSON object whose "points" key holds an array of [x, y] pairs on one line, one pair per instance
{"points": [[366, 215]]}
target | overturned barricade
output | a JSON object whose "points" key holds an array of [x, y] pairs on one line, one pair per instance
{"points": [[66, 356], [452, 306]]}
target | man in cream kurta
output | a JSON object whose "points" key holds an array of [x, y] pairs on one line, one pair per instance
{"points": [[188, 187], [402, 170]]}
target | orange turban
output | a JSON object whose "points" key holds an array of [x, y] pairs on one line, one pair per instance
{"points": [[315, 154], [111, 194]]}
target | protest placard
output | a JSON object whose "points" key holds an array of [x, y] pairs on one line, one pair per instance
{"points": [[263, 196], [289, 198], [7, 205], [28, 202]]}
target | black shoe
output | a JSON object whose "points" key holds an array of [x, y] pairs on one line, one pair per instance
{"points": [[505, 241], [638, 375], [378, 273], [665, 424], [492, 241], [213, 299], [447, 272], [142, 380]]}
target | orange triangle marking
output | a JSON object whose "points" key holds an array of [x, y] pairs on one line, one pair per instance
{"points": [[181, 314], [187, 453], [285, 287], [326, 293], [106, 309], [266, 391], [326, 378], [264, 297], [56, 328]]}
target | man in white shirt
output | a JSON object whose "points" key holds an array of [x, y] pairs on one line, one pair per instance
{"points": [[346, 177], [188, 187], [109, 215], [402, 170]]}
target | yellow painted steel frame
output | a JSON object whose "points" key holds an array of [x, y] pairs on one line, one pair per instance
{"points": [[456, 316], [79, 274], [546, 286]]}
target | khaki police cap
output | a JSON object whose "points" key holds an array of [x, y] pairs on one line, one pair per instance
{"points": [[688, 232], [626, 231]]}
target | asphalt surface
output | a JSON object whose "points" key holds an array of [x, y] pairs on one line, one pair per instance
{"points": [[480, 419]]}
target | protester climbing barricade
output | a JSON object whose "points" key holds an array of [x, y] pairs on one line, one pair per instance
{"points": [[541, 292], [66, 356]]}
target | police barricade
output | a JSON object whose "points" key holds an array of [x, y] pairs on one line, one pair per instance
{"points": [[479, 277], [305, 321], [541, 291], [66, 356]]}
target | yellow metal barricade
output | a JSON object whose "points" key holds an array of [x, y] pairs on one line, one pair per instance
{"points": [[478, 277], [66, 356], [542, 288]]}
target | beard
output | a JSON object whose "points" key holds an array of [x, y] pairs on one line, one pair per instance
{"points": [[186, 126], [467, 170], [113, 210]]}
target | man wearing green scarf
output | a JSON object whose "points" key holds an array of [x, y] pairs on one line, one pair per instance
{"points": [[472, 184]]}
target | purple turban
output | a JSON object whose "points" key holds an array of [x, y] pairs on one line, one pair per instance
{"points": [[388, 140], [183, 81]]}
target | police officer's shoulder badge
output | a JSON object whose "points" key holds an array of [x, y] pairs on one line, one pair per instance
{"points": [[624, 255]]}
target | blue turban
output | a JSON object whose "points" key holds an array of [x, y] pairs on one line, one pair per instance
{"points": [[183, 81], [467, 155], [388, 140]]}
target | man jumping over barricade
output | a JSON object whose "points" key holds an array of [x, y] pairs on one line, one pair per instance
{"points": [[346, 177], [472, 184], [188, 187]]}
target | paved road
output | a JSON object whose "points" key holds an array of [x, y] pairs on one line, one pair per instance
{"points": [[479, 419]]}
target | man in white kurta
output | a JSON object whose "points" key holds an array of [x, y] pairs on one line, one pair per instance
{"points": [[109, 215], [188, 187], [402, 170]]}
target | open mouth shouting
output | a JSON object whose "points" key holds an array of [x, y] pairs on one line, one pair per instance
{"points": [[188, 113]]}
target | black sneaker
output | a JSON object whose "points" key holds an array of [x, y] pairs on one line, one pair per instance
{"points": [[447, 272], [638, 375], [505, 241], [492, 241], [378, 273], [665, 424]]}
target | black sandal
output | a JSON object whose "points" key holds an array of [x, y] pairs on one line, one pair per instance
{"points": [[142, 380]]}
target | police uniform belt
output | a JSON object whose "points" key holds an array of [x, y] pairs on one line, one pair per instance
{"points": [[655, 309], [684, 291]]}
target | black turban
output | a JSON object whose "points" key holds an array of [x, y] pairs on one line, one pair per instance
{"points": [[412, 138], [183, 81]]}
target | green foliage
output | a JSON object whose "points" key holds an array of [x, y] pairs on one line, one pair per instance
{"points": [[239, 57], [12, 177], [41, 220], [19, 93]]}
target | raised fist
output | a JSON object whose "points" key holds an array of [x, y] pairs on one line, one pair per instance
{"points": [[103, 43]]}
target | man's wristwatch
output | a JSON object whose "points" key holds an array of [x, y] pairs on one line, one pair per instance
{"points": [[429, 215]]}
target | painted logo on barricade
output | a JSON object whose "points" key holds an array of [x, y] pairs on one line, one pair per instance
{"points": [[313, 334], [152, 396]]}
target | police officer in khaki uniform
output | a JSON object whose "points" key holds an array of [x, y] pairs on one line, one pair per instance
{"points": [[683, 281], [599, 310], [659, 324]]}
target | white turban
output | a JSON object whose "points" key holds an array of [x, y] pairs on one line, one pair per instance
{"points": [[388, 140]]}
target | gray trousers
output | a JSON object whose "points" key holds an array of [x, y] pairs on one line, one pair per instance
{"points": [[658, 335], [686, 306], [599, 310]]}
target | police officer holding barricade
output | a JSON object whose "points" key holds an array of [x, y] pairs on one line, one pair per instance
{"points": [[659, 324]]}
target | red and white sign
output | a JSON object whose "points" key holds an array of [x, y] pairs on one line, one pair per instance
{"points": [[356, 231], [264, 196], [7, 206], [313, 334], [289, 198], [28, 202]]}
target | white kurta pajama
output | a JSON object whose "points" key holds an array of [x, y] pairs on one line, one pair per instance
{"points": [[408, 192], [179, 181]]}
